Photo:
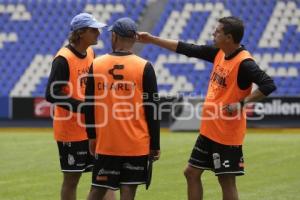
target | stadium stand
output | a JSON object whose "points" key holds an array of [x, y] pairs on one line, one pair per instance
{"points": [[272, 29], [32, 31]]}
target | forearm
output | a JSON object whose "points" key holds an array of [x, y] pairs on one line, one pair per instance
{"points": [[153, 127], [165, 43], [256, 95], [90, 120], [68, 103], [90, 102], [58, 79], [151, 106]]}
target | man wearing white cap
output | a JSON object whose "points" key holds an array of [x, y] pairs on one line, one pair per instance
{"points": [[65, 88]]}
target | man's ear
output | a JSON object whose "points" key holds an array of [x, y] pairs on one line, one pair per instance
{"points": [[229, 37], [82, 32], [113, 35]]}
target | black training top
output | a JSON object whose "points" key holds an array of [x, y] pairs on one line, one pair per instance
{"points": [[60, 72], [249, 72]]}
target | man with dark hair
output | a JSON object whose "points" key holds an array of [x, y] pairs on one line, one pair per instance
{"points": [[219, 145], [122, 125], [233, 26], [65, 88]]}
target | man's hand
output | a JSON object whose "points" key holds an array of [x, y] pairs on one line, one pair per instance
{"points": [[154, 154], [144, 37], [92, 146], [232, 108]]}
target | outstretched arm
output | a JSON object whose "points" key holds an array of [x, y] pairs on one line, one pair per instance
{"points": [[205, 52], [145, 37]]}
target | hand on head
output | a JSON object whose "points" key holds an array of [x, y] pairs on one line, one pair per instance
{"points": [[144, 37]]}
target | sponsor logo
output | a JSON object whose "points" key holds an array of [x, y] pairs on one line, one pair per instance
{"points": [[117, 86], [131, 167], [219, 79], [226, 164], [68, 144], [41, 108], [82, 78], [277, 107], [81, 152], [114, 74], [217, 161], [107, 172], [71, 159]]}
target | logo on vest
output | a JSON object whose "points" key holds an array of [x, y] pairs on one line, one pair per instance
{"points": [[219, 79], [113, 73], [81, 73], [119, 84]]}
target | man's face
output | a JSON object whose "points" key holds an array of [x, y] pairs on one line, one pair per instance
{"points": [[91, 35], [219, 37]]}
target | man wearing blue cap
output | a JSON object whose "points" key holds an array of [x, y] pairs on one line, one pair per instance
{"points": [[128, 140], [65, 89]]}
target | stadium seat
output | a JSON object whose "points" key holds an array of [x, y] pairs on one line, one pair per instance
{"points": [[33, 28], [33, 31]]}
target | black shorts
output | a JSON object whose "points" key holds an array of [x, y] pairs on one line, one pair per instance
{"points": [[222, 159], [75, 156], [113, 171]]}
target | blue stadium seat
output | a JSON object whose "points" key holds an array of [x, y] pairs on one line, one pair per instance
{"points": [[45, 33], [47, 30], [255, 22]]}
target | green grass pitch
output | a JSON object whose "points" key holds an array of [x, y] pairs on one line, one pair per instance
{"points": [[29, 167]]}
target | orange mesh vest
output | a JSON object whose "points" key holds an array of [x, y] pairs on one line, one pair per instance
{"points": [[121, 127], [65, 123], [223, 89]]}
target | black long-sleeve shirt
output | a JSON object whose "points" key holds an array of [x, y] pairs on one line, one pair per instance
{"points": [[60, 72], [150, 90], [249, 72]]}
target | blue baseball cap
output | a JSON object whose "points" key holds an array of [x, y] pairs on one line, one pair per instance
{"points": [[124, 27], [83, 20]]}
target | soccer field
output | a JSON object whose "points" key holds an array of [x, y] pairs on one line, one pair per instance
{"points": [[30, 167]]}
